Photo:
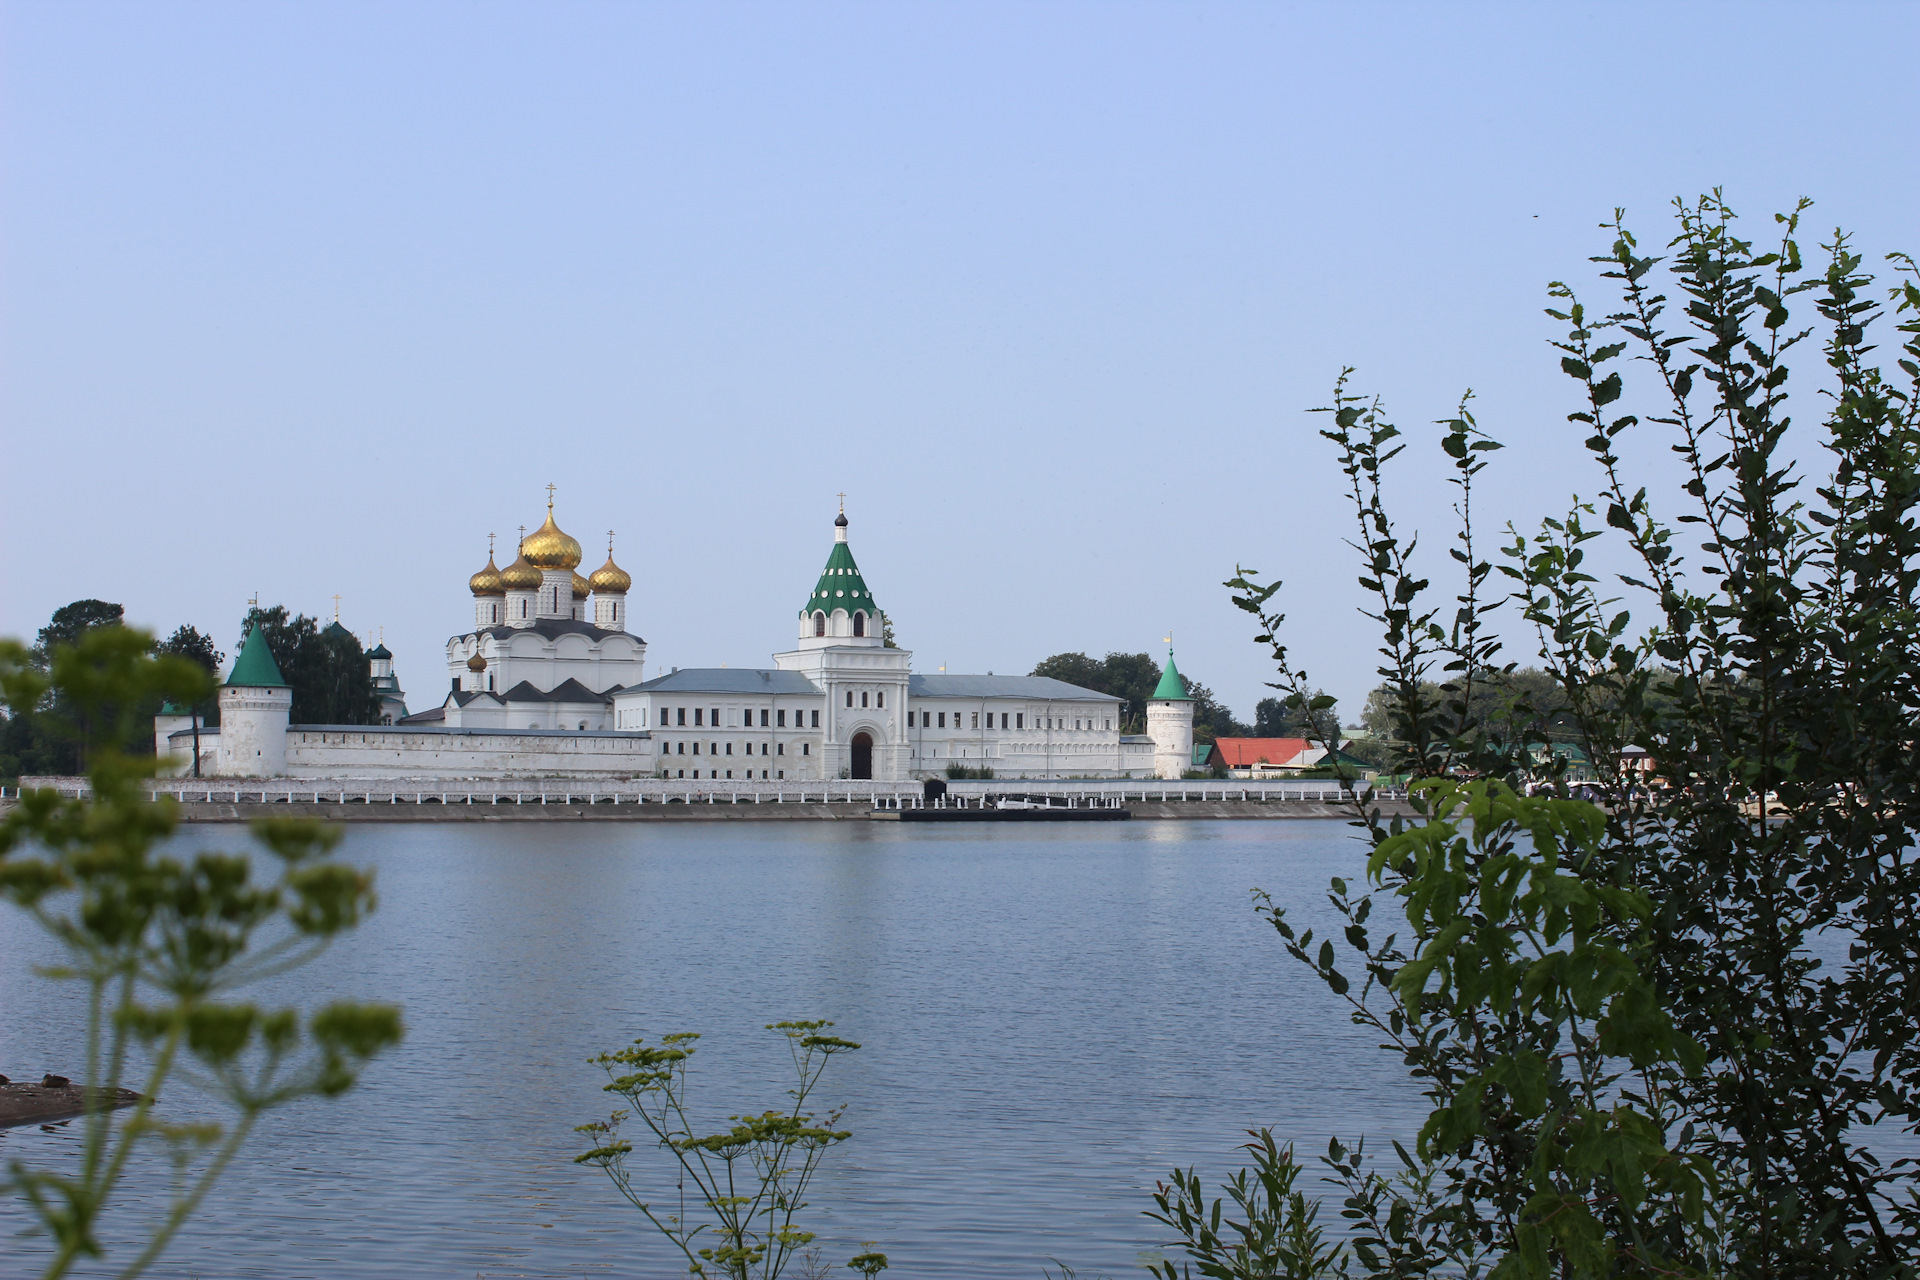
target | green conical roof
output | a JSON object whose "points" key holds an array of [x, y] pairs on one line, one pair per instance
{"points": [[840, 585], [255, 666], [1171, 687]]}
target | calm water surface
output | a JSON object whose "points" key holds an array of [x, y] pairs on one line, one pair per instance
{"points": [[1052, 1017]]}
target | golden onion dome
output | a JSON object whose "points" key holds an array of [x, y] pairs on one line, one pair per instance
{"points": [[610, 577], [476, 663], [487, 581], [580, 587], [548, 548], [520, 576]]}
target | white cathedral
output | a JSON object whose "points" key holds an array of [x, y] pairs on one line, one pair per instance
{"points": [[537, 689]]}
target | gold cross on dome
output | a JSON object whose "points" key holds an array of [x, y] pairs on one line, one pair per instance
{"points": [[549, 497], [336, 606], [609, 544], [489, 546], [843, 502]]}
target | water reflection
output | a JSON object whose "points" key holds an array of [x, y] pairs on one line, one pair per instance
{"points": [[1052, 1018]]}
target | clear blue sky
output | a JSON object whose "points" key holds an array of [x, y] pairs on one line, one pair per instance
{"points": [[308, 299]]}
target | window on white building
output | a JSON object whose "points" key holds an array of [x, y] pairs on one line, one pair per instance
{"points": [[943, 719], [880, 698], [783, 719], [696, 717], [816, 719]]}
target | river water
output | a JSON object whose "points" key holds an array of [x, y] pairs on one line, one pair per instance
{"points": [[1052, 1017]]}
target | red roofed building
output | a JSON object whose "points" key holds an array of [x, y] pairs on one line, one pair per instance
{"points": [[1250, 757], [1270, 757]]}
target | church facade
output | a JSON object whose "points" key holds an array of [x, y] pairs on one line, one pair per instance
{"points": [[550, 681]]}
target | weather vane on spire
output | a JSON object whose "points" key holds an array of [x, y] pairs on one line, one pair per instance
{"points": [[1169, 642]]}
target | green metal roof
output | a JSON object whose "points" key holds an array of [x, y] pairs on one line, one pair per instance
{"points": [[1171, 687], [255, 666], [841, 586]]}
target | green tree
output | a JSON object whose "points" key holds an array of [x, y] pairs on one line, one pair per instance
{"points": [[1763, 884], [1211, 720], [1297, 718], [1132, 677], [327, 669], [70, 622], [164, 947], [189, 643], [54, 735]]}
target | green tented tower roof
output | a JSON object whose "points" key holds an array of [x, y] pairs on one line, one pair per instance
{"points": [[255, 666], [840, 585], [1171, 687]]}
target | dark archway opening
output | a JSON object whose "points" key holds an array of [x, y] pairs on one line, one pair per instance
{"points": [[863, 756]]}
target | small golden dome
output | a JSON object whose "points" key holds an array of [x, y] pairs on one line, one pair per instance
{"points": [[487, 581], [520, 576], [580, 587], [610, 576], [476, 663], [548, 548]]}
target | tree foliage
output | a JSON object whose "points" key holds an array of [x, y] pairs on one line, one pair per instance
{"points": [[1132, 677], [326, 667], [163, 947], [1315, 716], [1754, 901]]}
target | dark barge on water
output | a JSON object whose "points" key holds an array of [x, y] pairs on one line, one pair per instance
{"points": [[937, 806]]}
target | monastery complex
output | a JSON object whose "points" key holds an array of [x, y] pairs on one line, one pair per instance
{"points": [[550, 680]]}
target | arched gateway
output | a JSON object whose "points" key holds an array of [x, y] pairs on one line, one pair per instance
{"points": [[862, 756]]}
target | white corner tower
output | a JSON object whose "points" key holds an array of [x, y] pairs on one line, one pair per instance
{"points": [[1170, 723], [255, 705]]}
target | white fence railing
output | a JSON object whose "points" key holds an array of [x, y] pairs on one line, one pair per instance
{"points": [[1102, 793]]}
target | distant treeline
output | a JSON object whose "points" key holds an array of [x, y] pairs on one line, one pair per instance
{"points": [[326, 667]]}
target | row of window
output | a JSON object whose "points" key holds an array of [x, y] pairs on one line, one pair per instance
{"points": [[710, 716], [820, 623], [714, 748], [703, 716], [745, 773], [938, 719]]}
